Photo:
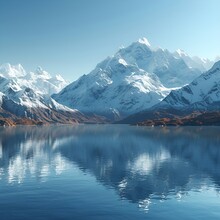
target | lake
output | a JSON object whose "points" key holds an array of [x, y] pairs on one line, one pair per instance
{"points": [[109, 172]]}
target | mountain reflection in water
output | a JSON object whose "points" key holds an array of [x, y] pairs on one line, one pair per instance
{"points": [[140, 163]]}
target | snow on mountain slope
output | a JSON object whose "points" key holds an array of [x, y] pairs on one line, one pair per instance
{"points": [[202, 94], [135, 78], [114, 89]]}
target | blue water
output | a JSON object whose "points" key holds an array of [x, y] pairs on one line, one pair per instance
{"points": [[109, 172]]}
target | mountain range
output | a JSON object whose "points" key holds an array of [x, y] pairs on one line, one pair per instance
{"points": [[137, 84], [133, 79], [25, 98]]}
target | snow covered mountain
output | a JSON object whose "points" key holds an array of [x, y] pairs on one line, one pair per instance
{"points": [[27, 96], [201, 94], [114, 89], [134, 79], [197, 102]]}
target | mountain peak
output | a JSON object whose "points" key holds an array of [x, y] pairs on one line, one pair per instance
{"points": [[181, 52], [39, 71], [145, 41], [12, 70]]}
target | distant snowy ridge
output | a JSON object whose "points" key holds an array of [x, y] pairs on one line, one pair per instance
{"points": [[203, 64], [32, 89], [39, 80]]}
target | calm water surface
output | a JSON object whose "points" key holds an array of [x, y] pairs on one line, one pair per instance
{"points": [[109, 172]]}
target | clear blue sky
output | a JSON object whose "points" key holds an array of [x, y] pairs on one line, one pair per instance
{"points": [[71, 36]]}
